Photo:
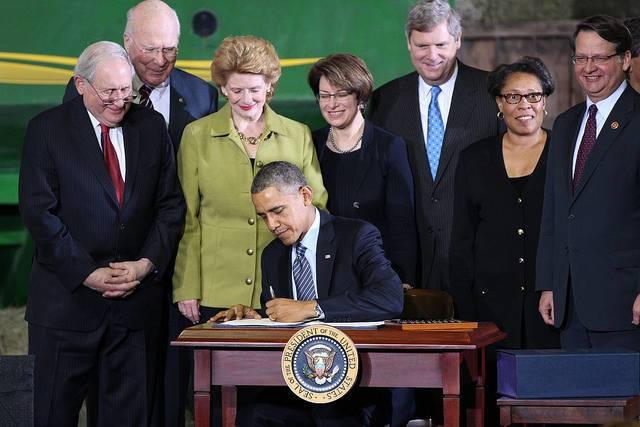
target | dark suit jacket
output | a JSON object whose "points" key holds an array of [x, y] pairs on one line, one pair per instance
{"points": [[68, 203], [355, 280], [492, 267], [395, 107], [191, 98], [378, 188], [591, 237]]}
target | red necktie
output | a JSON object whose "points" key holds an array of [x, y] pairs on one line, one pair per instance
{"points": [[111, 160], [144, 92], [588, 141]]}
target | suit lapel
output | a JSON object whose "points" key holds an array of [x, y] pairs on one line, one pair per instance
{"points": [[131, 149], [620, 115], [572, 137], [366, 155], [84, 137], [325, 255], [462, 105], [178, 115]]}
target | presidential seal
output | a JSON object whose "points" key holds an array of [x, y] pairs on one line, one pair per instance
{"points": [[320, 364]]}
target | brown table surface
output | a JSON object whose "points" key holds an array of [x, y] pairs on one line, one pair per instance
{"points": [[206, 336]]}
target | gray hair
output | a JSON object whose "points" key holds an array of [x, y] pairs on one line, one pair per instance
{"points": [[149, 7], [96, 53], [425, 15], [284, 176]]}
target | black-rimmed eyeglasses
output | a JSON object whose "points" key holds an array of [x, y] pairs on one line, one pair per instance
{"points": [[340, 95], [110, 95], [515, 98]]}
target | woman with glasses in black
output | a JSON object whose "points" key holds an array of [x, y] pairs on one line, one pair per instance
{"points": [[497, 209], [365, 169]]}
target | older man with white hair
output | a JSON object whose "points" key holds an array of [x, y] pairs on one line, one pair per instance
{"points": [[100, 196]]}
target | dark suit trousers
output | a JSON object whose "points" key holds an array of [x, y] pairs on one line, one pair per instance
{"points": [[178, 376], [574, 335], [66, 361]]}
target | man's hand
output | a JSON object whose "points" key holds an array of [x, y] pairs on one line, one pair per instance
{"points": [[190, 309], [546, 307], [636, 311], [105, 281], [130, 271], [289, 310], [235, 312]]}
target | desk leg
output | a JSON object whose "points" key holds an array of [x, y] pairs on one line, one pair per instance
{"points": [[229, 405], [451, 388], [475, 363], [202, 387]]}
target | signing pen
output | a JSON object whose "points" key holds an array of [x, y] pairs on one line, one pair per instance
{"points": [[273, 294]]}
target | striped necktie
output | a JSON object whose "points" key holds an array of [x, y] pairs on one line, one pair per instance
{"points": [[302, 275], [145, 92], [587, 143]]}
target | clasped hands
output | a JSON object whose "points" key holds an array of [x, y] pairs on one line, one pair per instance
{"points": [[277, 309], [120, 279]]}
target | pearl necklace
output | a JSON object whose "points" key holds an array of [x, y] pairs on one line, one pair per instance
{"points": [[335, 147]]}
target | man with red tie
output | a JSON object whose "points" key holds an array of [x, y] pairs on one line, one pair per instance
{"points": [[100, 197], [589, 249]]}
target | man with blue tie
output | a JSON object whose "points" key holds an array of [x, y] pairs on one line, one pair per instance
{"points": [[439, 109], [589, 248], [319, 267]]}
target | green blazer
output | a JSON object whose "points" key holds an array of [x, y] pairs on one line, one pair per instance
{"points": [[218, 259]]}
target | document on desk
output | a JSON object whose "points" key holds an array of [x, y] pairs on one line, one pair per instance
{"points": [[267, 323]]}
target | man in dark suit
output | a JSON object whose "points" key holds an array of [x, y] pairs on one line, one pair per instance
{"points": [[319, 267], [99, 194], [151, 38], [435, 128], [588, 254]]}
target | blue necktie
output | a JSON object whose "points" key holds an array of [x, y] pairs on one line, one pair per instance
{"points": [[435, 131], [302, 275]]}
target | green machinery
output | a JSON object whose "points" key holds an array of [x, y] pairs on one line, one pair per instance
{"points": [[41, 40]]}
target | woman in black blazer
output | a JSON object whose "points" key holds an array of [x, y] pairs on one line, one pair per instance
{"points": [[499, 191], [365, 168]]}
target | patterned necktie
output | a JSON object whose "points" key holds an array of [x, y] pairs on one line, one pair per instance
{"points": [[144, 92], [302, 275], [435, 132], [588, 141], [111, 160]]}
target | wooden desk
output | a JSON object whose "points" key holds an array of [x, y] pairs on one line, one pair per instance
{"points": [[389, 357], [568, 411]]}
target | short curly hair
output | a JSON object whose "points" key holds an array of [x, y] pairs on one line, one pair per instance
{"points": [[246, 55], [526, 64]]}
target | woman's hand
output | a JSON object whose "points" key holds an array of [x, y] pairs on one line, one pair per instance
{"points": [[190, 309], [235, 312]]}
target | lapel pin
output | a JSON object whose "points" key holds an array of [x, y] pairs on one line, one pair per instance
{"points": [[327, 256], [181, 100], [614, 125]]}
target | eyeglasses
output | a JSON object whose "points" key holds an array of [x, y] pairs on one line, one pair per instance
{"points": [[597, 59], [515, 98], [340, 95], [170, 53], [109, 94]]}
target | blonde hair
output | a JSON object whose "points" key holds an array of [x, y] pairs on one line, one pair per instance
{"points": [[246, 55]]}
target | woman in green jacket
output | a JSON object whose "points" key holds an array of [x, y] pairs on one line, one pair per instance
{"points": [[218, 261]]}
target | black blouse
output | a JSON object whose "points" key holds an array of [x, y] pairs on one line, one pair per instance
{"points": [[494, 241]]}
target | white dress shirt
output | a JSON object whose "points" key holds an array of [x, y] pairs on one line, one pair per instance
{"points": [[160, 97], [309, 241], [117, 140], [604, 109], [444, 100]]}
